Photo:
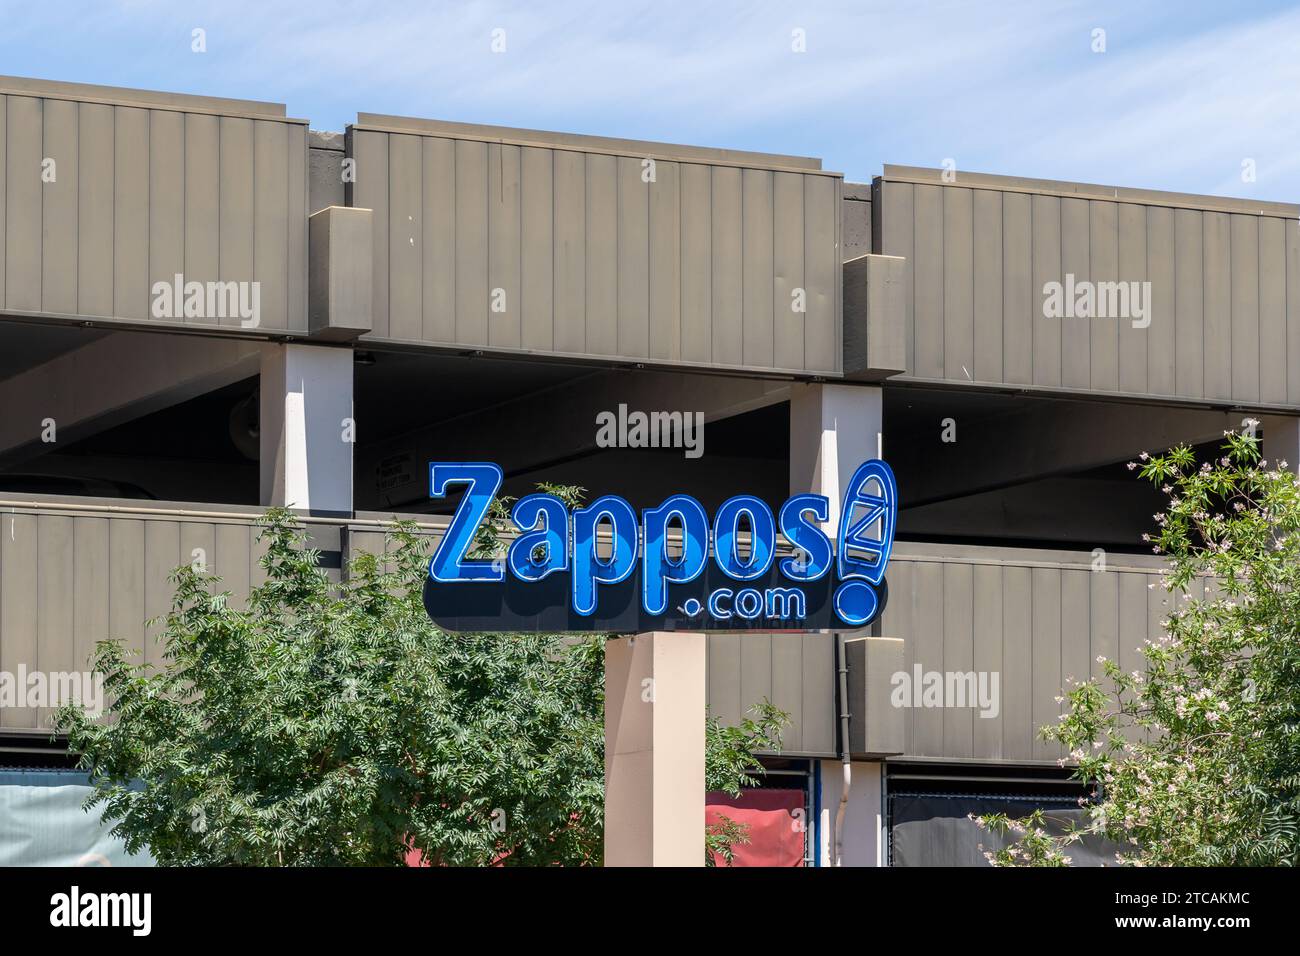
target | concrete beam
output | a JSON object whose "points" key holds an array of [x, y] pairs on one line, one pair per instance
{"points": [[112, 380], [557, 424], [1042, 440], [340, 274], [875, 307], [167, 478], [1095, 513]]}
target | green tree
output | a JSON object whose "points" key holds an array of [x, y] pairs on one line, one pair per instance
{"points": [[328, 724], [1196, 758], [730, 765]]}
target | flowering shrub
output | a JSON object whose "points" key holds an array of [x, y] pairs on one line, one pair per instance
{"points": [[1196, 759]]}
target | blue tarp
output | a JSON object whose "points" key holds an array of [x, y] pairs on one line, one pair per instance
{"points": [[43, 823]]}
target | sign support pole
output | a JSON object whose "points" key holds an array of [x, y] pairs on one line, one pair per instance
{"points": [[654, 749]]}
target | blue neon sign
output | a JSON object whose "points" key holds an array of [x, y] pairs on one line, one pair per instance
{"points": [[603, 567]]}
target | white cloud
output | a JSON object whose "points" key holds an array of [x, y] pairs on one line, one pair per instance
{"points": [[1182, 94]]}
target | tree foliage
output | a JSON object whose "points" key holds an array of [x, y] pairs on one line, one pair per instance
{"points": [[1196, 757], [730, 765], [332, 723]]}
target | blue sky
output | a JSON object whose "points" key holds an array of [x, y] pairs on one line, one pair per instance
{"points": [[1184, 92]]}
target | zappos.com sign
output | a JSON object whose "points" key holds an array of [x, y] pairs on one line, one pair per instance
{"points": [[603, 567]]}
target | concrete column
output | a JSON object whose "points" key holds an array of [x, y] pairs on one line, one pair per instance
{"points": [[833, 430], [863, 832], [654, 750], [307, 430], [1281, 440]]}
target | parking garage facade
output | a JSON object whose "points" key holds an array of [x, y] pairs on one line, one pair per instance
{"points": [[410, 290]]}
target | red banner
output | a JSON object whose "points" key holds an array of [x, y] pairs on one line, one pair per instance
{"points": [[775, 821]]}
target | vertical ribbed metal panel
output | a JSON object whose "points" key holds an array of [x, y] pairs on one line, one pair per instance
{"points": [[988, 280], [106, 192], [71, 576], [19, 604], [1039, 619], [588, 247], [981, 249]]}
